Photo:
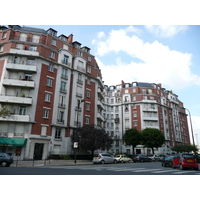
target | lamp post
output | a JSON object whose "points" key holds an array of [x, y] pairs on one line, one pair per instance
{"points": [[76, 143], [191, 126]]}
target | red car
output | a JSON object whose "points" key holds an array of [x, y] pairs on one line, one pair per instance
{"points": [[184, 161]]}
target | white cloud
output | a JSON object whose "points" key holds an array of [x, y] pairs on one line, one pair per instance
{"points": [[166, 30], [100, 35], [158, 63]]}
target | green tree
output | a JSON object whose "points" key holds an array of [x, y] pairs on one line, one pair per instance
{"points": [[90, 137], [5, 111], [152, 138], [132, 137], [184, 148]]}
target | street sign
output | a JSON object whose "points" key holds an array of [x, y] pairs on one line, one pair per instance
{"points": [[75, 144]]}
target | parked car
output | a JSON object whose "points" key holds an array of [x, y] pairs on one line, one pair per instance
{"points": [[184, 161], [104, 158], [141, 158], [155, 157], [5, 160], [167, 160], [122, 158]]}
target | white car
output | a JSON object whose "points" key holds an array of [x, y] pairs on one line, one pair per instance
{"points": [[104, 158], [154, 157], [122, 158]]}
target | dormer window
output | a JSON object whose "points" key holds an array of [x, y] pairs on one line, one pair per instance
{"points": [[52, 32]]}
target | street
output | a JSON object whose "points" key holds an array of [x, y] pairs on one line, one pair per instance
{"points": [[149, 168]]}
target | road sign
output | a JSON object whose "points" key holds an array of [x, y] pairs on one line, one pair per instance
{"points": [[75, 144]]}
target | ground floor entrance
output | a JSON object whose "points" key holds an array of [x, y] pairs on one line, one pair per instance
{"points": [[38, 151]]}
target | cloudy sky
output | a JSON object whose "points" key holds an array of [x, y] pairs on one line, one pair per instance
{"points": [[157, 54]]}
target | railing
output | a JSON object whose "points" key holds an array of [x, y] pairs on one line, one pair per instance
{"points": [[66, 63], [3, 134], [28, 39], [61, 105], [60, 121], [18, 134]]}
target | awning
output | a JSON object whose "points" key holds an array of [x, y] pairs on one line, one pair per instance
{"points": [[17, 142]]}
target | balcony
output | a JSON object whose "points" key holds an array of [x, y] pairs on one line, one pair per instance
{"points": [[99, 103], [14, 99], [100, 116], [65, 62], [82, 69], [16, 118], [150, 118], [24, 52], [18, 83], [21, 67]]}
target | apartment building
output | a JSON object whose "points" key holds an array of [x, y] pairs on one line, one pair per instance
{"points": [[144, 105], [52, 85]]}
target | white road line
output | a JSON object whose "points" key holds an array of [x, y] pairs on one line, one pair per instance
{"points": [[180, 172], [144, 170], [163, 171]]}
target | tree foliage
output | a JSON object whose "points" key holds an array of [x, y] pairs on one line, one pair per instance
{"points": [[184, 148], [5, 111], [152, 138], [90, 137], [132, 137]]}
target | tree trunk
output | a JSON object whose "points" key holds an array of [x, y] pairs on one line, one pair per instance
{"points": [[133, 150], [152, 150]]}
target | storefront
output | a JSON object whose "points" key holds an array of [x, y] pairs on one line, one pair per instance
{"points": [[15, 147]]}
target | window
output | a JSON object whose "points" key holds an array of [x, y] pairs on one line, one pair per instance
{"points": [[134, 90], [135, 123], [64, 73], [88, 93], [32, 48], [1, 48], [46, 112], [126, 108], [126, 99], [143, 91], [65, 60], [63, 87], [30, 62], [61, 116], [89, 69], [88, 106], [53, 42], [87, 120], [4, 35], [58, 133], [80, 77], [88, 81], [51, 67], [134, 114], [134, 98], [89, 58], [52, 54], [22, 110], [47, 97], [49, 82], [79, 53]]}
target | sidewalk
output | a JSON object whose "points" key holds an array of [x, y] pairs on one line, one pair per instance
{"points": [[40, 163]]}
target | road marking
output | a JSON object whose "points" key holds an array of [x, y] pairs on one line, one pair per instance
{"points": [[180, 172], [163, 171], [143, 170]]}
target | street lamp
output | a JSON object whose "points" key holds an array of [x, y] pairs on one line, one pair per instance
{"points": [[191, 126], [76, 143]]}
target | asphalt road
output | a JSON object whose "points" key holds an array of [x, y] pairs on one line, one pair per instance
{"points": [[150, 168]]}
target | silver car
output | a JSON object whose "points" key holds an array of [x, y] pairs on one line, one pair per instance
{"points": [[104, 158]]}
